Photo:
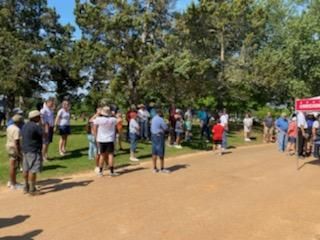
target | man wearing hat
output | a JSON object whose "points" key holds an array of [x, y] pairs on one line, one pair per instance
{"points": [[31, 147], [15, 111], [104, 129], [14, 149]]}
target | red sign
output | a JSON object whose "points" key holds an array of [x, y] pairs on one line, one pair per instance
{"points": [[305, 105]]}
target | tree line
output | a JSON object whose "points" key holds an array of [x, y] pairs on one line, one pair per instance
{"points": [[239, 54]]}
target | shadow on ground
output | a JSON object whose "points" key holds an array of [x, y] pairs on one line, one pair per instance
{"points": [[315, 162], [178, 167], [59, 186], [26, 236], [7, 222]]}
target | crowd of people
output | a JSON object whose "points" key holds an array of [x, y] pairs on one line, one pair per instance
{"points": [[298, 134], [28, 141]]}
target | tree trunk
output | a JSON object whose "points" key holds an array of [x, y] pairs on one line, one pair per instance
{"points": [[11, 101]]}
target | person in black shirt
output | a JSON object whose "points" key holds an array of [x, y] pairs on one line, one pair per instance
{"points": [[31, 147]]}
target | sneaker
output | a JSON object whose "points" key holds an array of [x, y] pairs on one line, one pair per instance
{"points": [[34, 192], [61, 154], [97, 170], [165, 171], [114, 174], [100, 174], [9, 184], [155, 170], [133, 159], [178, 146], [18, 186]]}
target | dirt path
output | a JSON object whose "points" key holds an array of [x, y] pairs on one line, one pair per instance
{"points": [[252, 194]]}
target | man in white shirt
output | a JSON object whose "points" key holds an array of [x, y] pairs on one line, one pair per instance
{"points": [[104, 130], [144, 116], [224, 121], [302, 126], [47, 119]]}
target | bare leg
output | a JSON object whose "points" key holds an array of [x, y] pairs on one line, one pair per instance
{"points": [[45, 148], [110, 162], [154, 161], [32, 180], [64, 146], [13, 180], [162, 162]]}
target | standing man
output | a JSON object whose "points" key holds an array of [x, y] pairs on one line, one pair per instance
{"points": [[204, 123], [224, 121], [105, 133], [268, 125], [13, 147], [47, 117], [144, 116], [302, 126], [32, 136], [282, 126], [158, 129]]}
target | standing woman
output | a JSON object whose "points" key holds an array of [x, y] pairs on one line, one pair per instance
{"points": [[247, 125], [63, 124]]}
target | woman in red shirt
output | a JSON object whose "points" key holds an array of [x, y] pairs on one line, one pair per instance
{"points": [[292, 133], [217, 133]]}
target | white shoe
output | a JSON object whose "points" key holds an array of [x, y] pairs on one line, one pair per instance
{"points": [[17, 186], [178, 146], [247, 140], [155, 170], [165, 171], [114, 174], [133, 159], [100, 174], [97, 170]]}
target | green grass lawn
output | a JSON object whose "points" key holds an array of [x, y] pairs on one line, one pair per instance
{"points": [[77, 161]]}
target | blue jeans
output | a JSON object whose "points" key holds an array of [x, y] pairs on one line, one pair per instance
{"points": [[144, 129], [133, 142], [224, 140], [282, 141], [316, 152], [205, 130], [92, 152]]}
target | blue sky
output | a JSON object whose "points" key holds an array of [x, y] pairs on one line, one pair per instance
{"points": [[65, 10]]}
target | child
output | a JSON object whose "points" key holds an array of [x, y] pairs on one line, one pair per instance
{"points": [[179, 131], [134, 132], [14, 150], [119, 130], [292, 133], [217, 132]]}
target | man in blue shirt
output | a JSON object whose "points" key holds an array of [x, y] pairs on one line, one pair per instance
{"points": [[158, 129], [204, 123], [282, 126]]}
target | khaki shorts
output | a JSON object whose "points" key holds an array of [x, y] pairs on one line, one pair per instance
{"points": [[13, 155], [268, 131]]}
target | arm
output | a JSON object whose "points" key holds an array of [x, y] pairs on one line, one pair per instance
{"points": [[57, 121], [95, 131]]}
